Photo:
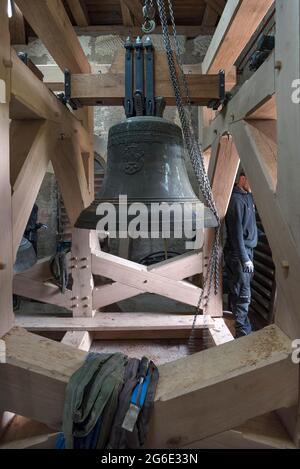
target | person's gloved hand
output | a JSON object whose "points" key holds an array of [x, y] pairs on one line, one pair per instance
{"points": [[248, 267]]}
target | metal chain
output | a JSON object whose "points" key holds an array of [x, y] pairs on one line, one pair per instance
{"points": [[195, 153]]}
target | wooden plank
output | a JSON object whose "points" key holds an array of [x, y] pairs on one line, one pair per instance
{"points": [[32, 100], [79, 12], [17, 27], [136, 275], [260, 361], [31, 175], [179, 268], [189, 31], [6, 260], [223, 178], [220, 332], [108, 89], [82, 340], [249, 143], [47, 441], [51, 23], [34, 379], [231, 37], [45, 292], [105, 324], [210, 16]]}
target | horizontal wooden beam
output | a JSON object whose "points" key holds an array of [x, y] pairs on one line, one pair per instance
{"points": [[109, 89], [231, 35], [51, 23], [220, 333], [200, 395], [106, 326], [45, 292], [183, 412], [134, 31]]}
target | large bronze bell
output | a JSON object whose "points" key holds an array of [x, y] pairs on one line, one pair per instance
{"points": [[145, 161]]}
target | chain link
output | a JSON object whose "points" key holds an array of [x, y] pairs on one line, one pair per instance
{"points": [[195, 154]]}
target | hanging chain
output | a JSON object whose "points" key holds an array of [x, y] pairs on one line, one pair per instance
{"points": [[195, 154]]}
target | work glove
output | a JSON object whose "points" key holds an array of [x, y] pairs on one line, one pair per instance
{"points": [[248, 267]]}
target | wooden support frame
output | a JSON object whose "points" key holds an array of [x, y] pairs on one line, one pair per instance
{"points": [[263, 357]]}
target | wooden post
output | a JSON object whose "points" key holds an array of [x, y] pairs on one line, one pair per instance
{"points": [[223, 169], [6, 256]]}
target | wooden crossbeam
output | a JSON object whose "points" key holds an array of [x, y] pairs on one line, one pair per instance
{"points": [[79, 12], [107, 326], [51, 23], [183, 412], [109, 89], [46, 292], [138, 276], [178, 268], [217, 5], [231, 36], [220, 333]]}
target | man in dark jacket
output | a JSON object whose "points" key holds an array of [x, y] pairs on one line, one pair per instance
{"points": [[241, 240]]}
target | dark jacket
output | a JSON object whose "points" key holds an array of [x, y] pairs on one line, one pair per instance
{"points": [[241, 224]]}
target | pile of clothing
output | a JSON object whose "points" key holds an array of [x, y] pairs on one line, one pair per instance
{"points": [[108, 403]]}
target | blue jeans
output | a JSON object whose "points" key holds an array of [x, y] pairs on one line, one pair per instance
{"points": [[239, 285]]}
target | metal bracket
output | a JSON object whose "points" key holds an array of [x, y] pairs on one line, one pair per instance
{"points": [[74, 103], [128, 102], [139, 78], [216, 103], [150, 99]]}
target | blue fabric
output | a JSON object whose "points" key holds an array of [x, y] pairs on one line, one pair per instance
{"points": [[239, 285], [60, 442], [241, 224]]}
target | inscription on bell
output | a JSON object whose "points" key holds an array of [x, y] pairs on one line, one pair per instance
{"points": [[133, 160]]}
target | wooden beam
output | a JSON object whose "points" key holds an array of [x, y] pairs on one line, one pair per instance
{"points": [[105, 326], [250, 142], [223, 172], [253, 96], [210, 16], [189, 31], [217, 5], [52, 25], [220, 332], [82, 340], [136, 9], [17, 27], [261, 361], [31, 176], [109, 89], [126, 14], [46, 292], [179, 268], [231, 36], [288, 122], [79, 12], [6, 258], [138, 276], [227, 372]]}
